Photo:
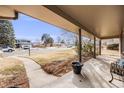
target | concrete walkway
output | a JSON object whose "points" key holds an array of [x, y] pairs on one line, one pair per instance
{"points": [[37, 77]]}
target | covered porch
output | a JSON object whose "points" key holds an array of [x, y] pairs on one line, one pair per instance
{"points": [[95, 22]]}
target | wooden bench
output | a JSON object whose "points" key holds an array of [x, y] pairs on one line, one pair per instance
{"points": [[118, 70]]}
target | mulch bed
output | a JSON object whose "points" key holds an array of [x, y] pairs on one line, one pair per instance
{"points": [[61, 67], [18, 80]]}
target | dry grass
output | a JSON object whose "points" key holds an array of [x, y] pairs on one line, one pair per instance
{"points": [[56, 63], [12, 73], [54, 56], [10, 66]]}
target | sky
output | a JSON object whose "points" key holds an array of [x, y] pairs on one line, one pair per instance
{"points": [[32, 29]]}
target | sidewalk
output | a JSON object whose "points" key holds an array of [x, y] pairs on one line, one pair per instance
{"points": [[37, 77]]}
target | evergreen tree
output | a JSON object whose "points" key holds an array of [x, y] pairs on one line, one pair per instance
{"points": [[7, 36]]}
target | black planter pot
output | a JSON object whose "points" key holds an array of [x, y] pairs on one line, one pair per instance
{"points": [[77, 67]]}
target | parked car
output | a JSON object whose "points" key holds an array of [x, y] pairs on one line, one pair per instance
{"points": [[7, 49]]}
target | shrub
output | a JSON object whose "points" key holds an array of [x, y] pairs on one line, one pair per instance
{"points": [[87, 49]]}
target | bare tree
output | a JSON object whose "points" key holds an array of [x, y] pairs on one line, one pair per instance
{"points": [[47, 39]]}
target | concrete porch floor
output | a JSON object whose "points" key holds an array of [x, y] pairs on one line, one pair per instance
{"points": [[95, 74]]}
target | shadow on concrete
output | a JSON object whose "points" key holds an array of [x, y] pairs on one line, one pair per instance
{"points": [[81, 81]]}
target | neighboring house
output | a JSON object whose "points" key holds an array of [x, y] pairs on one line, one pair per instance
{"points": [[110, 41], [21, 43], [56, 44], [37, 44], [107, 42]]}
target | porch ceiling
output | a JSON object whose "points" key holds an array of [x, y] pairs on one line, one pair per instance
{"points": [[101, 21]]}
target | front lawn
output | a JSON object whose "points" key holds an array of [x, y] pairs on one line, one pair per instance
{"points": [[54, 56], [12, 73], [56, 63]]}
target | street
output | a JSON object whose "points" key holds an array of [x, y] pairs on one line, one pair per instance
{"points": [[22, 52]]}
